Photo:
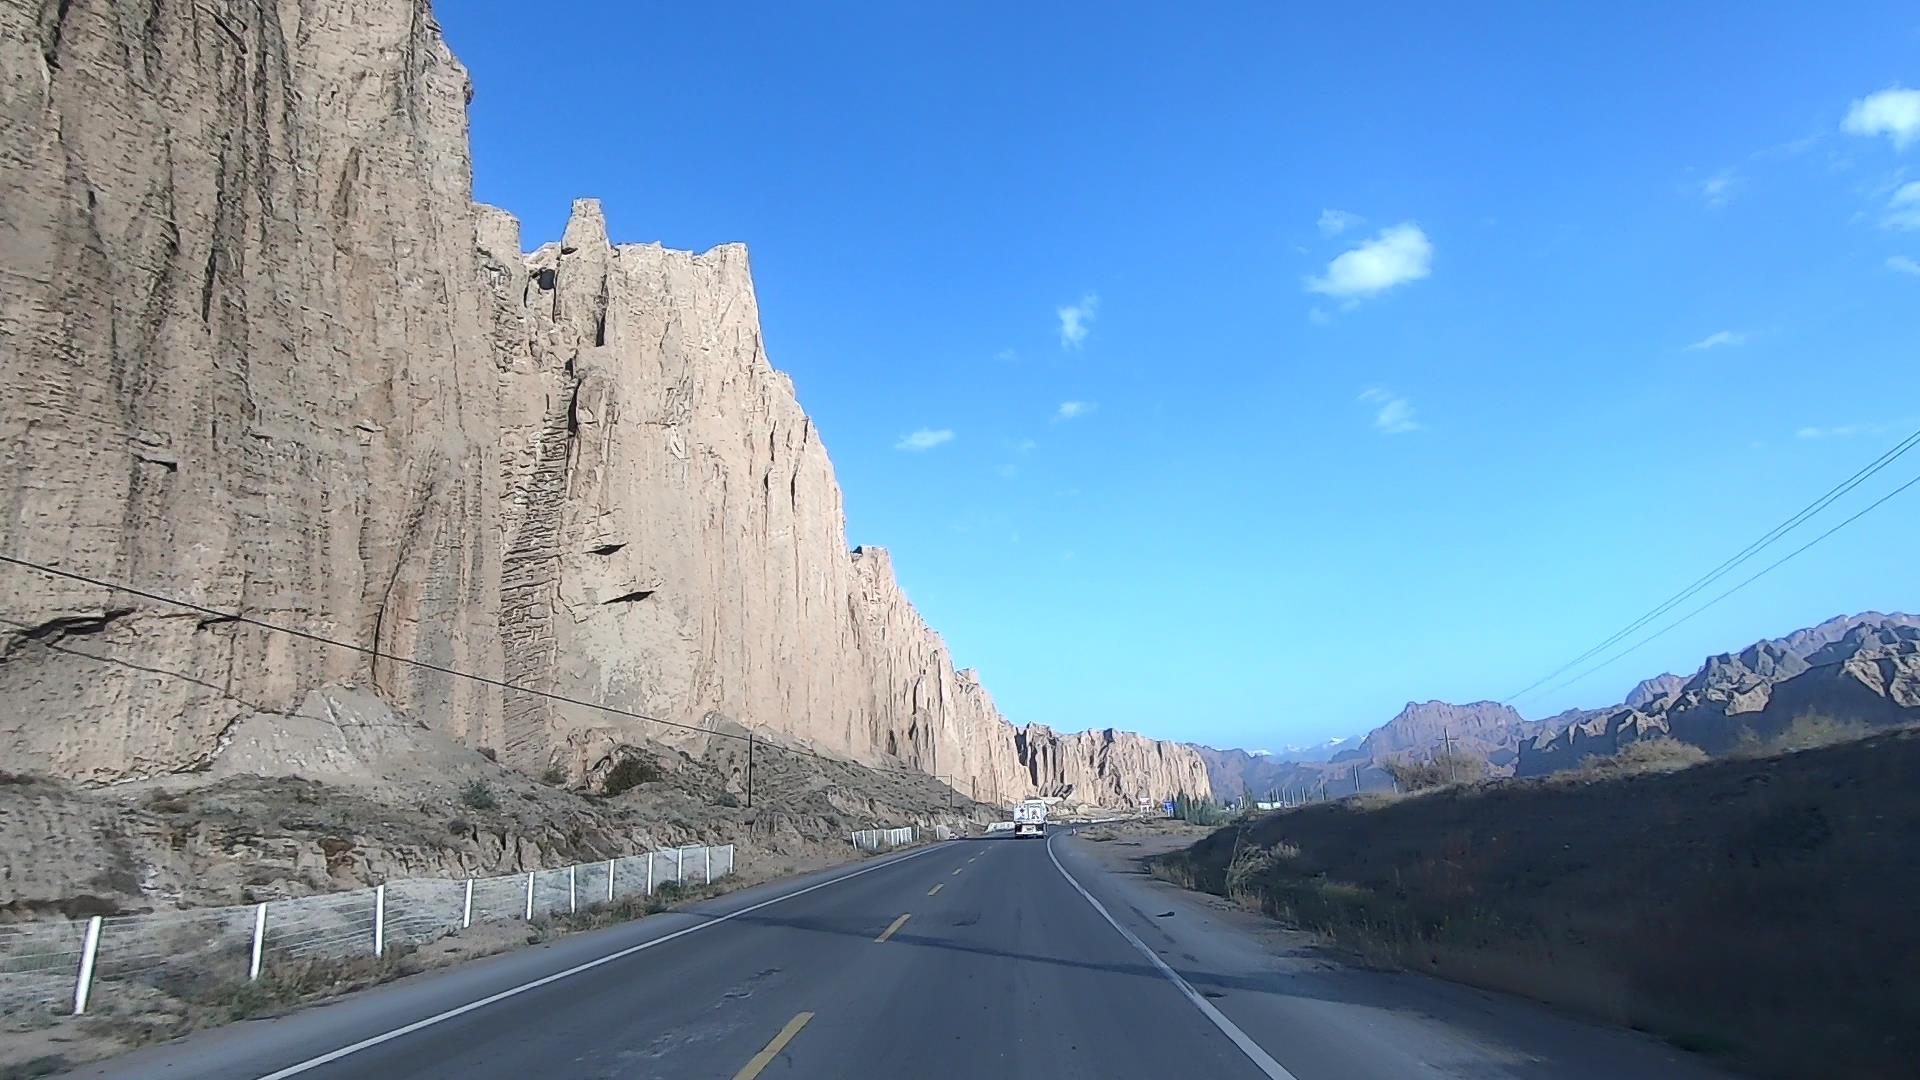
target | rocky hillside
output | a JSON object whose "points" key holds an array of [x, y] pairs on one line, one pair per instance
{"points": [[266, 355], [1855, 672]]}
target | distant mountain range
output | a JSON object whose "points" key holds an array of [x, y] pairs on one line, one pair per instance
{"points": [[1856, 669]]}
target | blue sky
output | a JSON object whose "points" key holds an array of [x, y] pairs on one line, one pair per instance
{"points": [[1414, 351]]}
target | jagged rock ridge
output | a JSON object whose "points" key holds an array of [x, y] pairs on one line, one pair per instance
{"points": [[265, 354], [1859, 670]]}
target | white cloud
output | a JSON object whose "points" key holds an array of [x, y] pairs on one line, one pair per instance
{"points": [[1318, 316], [1893, 112], [1076, 320], [1335, 222], [1072, 410], [1006, 354], [1395, 413], [1718, 188], [1719, 339], [1903, 264], [1841, 431], [1903, 210], [1022, 446], [1008, 472], [1396, 255], [924, 439]]}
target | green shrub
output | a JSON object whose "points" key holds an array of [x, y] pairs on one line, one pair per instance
{"points": [[726, 798], [554, 775], [478, 796], [629, 773]]}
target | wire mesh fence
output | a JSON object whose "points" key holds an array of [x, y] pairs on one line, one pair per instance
{"points": [[882, 839], [65, 965]]}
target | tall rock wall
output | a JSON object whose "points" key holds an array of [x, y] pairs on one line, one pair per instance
{"points": [[264, 354]]}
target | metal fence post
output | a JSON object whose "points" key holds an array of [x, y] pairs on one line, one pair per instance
{"points": [[573, 889], [84, 987], [259, 935], [707, 852], [610, 881], [530, 874], [379, 918], [466, 909]]}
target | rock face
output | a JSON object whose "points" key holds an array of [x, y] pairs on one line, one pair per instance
{"points": [[265, 355], [1860, 671]]}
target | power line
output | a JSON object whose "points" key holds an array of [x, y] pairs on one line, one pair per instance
{"points": [[1730, 564], [1862, 512]]}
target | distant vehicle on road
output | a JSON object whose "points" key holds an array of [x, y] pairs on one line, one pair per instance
{"points": [[1030, 818]]}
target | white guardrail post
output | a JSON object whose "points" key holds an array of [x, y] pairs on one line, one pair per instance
{"points": [[610, 881], [466, 908], [379, 918], [84, 986], [530, 874], [707, 852], [573, 890], [649, 873], [259, 936]]}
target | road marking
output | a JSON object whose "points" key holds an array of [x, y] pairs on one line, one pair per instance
{"points": [[957, 869], [897, 924], [936, 888], [408, 1029], [765, 1057], [975, 857], [1260, 1058]]}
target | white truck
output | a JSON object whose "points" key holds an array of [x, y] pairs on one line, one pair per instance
{"points": [[1030, 818]]}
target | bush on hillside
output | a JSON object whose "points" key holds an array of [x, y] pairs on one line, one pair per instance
{"points": [[1658, 754], [629, 773], [1445, 768]]}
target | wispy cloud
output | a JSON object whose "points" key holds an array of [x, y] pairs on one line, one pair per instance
{"points": [[1076, 320], [1718, 189], [1903, 264], [1893, 112], [1396, 255], [924, 439], [1841, 431], [1318, 316], [1903, 209], [1006, 355], [1021, 446], [1719, 339], [1008, 471], [1393, 414], [1073, 410], [1335, 222]]}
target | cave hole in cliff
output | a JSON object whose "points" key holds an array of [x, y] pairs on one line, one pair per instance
{"points": [[545, 279], [638, 594], [605, 549]]}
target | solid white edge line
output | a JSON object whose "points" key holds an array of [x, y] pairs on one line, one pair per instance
{"points": [[372, 1041], [1260, 1058]]}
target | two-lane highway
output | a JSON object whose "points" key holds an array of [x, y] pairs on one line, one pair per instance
{"points": [[1000, 958]]}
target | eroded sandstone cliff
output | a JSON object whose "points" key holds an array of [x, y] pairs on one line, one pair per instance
{"points": [[264, 354]]}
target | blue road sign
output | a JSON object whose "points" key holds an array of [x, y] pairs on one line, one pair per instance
{"points": [[1167, 807]]}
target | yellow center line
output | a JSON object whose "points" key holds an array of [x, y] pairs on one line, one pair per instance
{"points": [[765, 1057], [897, 924], [935, 889]]}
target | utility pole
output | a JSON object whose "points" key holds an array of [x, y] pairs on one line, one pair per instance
{"points": [[749, 770], [1446, 739]]}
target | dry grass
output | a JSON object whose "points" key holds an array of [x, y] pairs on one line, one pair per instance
{"points": [[1645, 756], [1750, 908]]}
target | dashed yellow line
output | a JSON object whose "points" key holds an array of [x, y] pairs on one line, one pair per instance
{"points": [[897, 924], [765, 1057], [935, 889]]}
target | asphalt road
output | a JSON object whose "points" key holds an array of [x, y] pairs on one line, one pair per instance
{"points": [[979, 958]]}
